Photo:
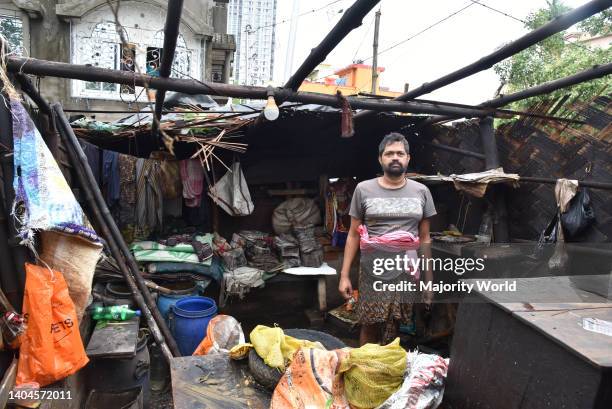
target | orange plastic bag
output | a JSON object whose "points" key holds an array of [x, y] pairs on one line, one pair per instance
{"points": [[311, 381], [51, 348]]}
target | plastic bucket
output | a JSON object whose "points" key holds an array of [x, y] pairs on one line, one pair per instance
{"points": [[180, 290], [189, 319]]}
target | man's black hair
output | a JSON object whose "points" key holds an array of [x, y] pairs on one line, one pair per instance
{"points": [[392, 138]]}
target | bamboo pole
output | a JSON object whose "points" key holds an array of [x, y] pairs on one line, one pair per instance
{"points": [[115, 241], [350, 20]]}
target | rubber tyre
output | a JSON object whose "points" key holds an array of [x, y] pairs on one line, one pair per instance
{"points": [[268, 377]]}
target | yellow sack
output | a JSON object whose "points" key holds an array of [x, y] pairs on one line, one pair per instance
{"points": [[372, 373], [276, 348]]}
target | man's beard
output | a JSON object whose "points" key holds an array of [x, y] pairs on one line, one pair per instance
{"points": [[393, 170]]}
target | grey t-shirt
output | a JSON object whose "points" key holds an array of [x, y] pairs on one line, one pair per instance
{"points": [[385, 210]]}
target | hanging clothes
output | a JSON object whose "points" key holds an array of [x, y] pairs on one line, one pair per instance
{"points": [[149, 199], [110, 177], [192, 175], [127, 195]]}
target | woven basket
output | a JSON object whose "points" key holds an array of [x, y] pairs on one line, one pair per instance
{"points": [[76, 258]]}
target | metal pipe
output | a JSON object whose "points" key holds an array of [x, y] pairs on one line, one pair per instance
{"points": [[114, 239], [592, 73], [171, 32], [552, 27], [350, 20]]}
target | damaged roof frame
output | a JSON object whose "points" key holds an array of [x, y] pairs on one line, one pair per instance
{"points": [[350, 20]]}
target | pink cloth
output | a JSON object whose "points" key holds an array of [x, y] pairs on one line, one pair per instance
{"points": [[395, 241], [192, 175]]}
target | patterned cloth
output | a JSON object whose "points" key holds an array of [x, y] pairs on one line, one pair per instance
{"points": [[43, 199], [390, 311]]}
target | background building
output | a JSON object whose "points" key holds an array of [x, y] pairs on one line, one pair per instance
{"points": [[349, 80], [252, 22], [85, 32]]}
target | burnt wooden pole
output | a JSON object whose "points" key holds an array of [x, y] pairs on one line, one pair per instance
{"points": [[349, 21], [497, 196], [171, 32], [552, 27], [113, 237], [15, 253]]}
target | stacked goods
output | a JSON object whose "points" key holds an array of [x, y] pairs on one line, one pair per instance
{"points": [[310, 250], [288, 250], [258, 249]]}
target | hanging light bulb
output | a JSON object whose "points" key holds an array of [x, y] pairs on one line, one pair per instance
{"points": [[271, 111]]}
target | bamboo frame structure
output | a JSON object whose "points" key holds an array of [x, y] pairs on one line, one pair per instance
{"points": [[533, 37], [113, 237]]}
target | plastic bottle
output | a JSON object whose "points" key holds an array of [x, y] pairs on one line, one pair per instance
{"points": [[114, 313], [484, 232]]}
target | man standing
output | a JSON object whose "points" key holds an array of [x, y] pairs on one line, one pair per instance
{"points": [[387, 204]]}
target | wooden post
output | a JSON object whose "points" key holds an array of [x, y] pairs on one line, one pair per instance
{"points": [[498, 198], [375, 52], [349, 21]]}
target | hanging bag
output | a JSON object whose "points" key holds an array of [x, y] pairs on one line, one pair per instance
{"points": [[51, 347]]}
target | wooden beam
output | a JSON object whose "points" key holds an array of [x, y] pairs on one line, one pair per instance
{"points": [[349, 21], [552, 27], [171, 32], [190, 86]]}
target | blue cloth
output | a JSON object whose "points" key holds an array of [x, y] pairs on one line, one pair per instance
{"points": [[110, 176]]}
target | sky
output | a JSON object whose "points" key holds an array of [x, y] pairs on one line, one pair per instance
{"points": [[460, 40]]}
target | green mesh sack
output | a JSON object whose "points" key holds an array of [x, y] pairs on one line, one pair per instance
{"points": [[372, 373]]}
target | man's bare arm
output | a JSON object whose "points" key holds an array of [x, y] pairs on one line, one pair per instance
{"points": [[350, 251]]}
